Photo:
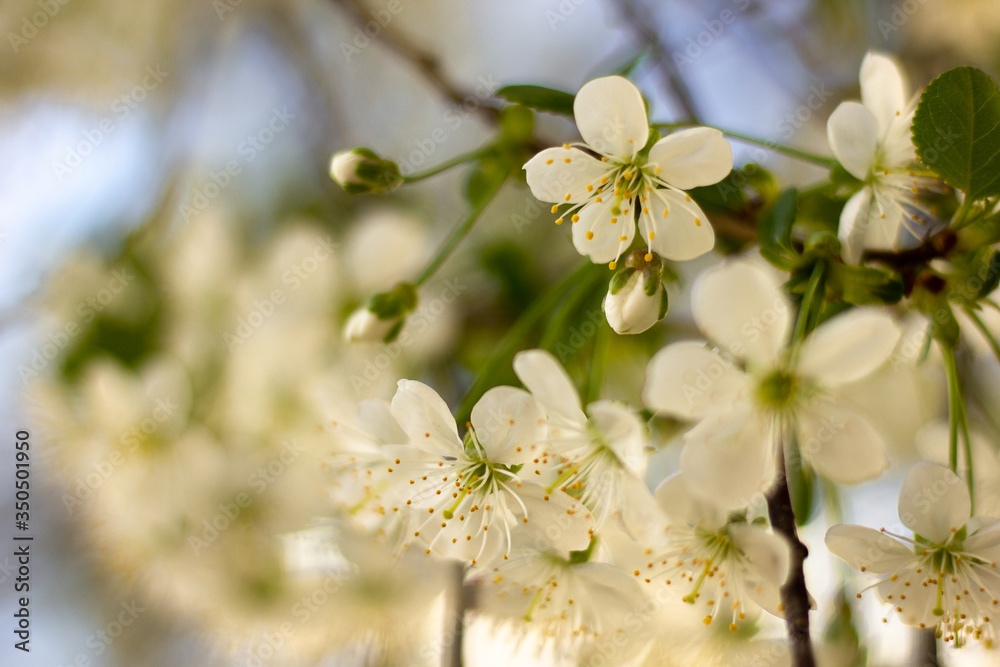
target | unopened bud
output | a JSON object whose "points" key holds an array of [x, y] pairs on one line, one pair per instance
{"points": [[383, 316], [636, 298], [361, 170]]}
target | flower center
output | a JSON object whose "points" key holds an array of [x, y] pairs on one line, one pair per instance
{"points": [[778, 390]]}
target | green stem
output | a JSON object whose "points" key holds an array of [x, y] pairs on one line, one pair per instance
{"points": [[458, 234], [958, 424], [959, 219], [805, 316], [598, 363], [448, 164], [790, 151], [983, 329], [515, 335]]}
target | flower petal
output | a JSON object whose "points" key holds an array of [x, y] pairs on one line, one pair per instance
{"points": [[853, 135], [375, 417], [856, 218], [985, 541], [682, 507], [509, 425], [840, 443], [549, 383], [555, 519], [425, 418], [848, 347], [933, 501], [741, 306], [688, 381], [674, 227], [611, 116], [692, 158], [766, 560], [623, 432], [555, 173], [867, 549], [883, 90], [728, 458], [601, 234]]}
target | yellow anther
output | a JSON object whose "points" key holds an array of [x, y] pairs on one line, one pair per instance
{"points": [[649, 257], [575, 218], [612, 265], [652, 234], [590, 235], [555, 207], [697, 222], [559, 221], [549, 161]]}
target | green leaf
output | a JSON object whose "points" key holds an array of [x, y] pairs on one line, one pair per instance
{"points": [[956, 130], [539, 98], [775, 232], [992, 278], [865, 285]]}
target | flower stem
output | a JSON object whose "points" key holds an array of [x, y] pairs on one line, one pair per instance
{"points": [[805, 317], [457, 235], [790, 151], [983, 329], [794, 596], [958, 424], [516, 334], [448, 164], [598, 361]]}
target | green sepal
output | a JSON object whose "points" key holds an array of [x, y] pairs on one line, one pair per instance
{"points": [[396, 303], [620, 279], [539, 98], [775, 231]]}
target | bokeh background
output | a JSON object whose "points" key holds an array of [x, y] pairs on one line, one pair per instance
{"points": [[186, 145]]}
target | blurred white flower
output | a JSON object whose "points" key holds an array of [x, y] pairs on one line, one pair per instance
{"points": [[743, 414], [605, 191], [946, 576]]}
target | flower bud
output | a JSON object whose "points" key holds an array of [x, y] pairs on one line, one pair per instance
{"points": [[383, 316], [361, 170], [636, 298]]}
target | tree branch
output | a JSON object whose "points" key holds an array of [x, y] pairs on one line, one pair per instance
{"points": [[794, 596]]}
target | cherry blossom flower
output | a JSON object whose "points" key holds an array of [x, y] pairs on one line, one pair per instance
{"points": [[745, 409], [871, 139], [613, 181], [946, 577], [729, 566], [468, 495], [601, 453]]}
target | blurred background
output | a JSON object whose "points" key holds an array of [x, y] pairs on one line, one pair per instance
{"points": [[177, 266]]}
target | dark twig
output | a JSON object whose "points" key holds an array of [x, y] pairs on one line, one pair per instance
{"points": [[464, 599], [794, 596], [425, 62], [925, 649], [675, 83]]}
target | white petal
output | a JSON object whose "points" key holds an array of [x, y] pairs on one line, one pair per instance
{"points": [[682, 507], [608, 239], [883, 90], [692, 158], [840, 443], [550, 384], [611, 116], [509, 424], [985, 540], [856, 219], [729, 458], [933, 501], [683, 233], [555, 519], [687, 381], [767, 557], [853, 135], [557, 172], [640, 515], [425, 418], [623, 432], [742, 306], [848, 347], [868, 549]]}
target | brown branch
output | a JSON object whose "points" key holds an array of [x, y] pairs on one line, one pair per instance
{"points": [[426, 63], [675, 83], [794, 596]]}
